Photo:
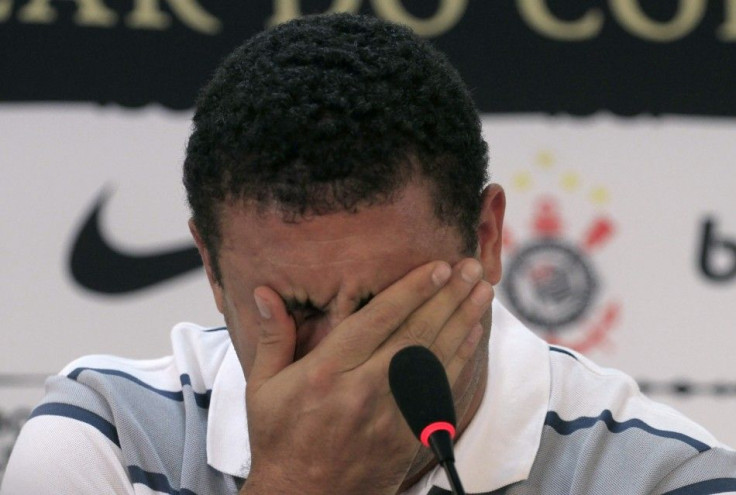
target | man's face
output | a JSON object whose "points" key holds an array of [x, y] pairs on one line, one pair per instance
{"points": [[324, 267]]}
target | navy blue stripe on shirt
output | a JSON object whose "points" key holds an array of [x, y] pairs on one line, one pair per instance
{"points": [[718, 485], [563, 351], [83, 415], [215, 329], [202, 399], [155, 481], [568, 427], [436, 490]]}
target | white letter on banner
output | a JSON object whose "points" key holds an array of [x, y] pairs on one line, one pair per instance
{"points": [[89, 13], [6, 7], [37, 12], [632, 18], [147, 14], [448, 15], [538, 16], [727, 31], [286, 10]]}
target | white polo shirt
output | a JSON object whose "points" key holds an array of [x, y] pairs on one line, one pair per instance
{"points": [[550, 422]]}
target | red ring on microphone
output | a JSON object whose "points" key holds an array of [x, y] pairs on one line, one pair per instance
{"points": [[433, 427]]}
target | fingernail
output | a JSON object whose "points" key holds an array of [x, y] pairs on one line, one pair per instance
{"points": [[262, 307], [441, 274], [482, 293], [471, 272]]}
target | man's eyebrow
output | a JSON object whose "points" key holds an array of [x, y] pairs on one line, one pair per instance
{"points": [[362, 302], [294, 305]]}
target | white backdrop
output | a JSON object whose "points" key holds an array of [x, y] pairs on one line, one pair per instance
{"points": [[650, 182]]}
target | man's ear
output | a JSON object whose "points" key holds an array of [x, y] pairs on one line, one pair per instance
{"points": [[208, 266], [490, 228]]}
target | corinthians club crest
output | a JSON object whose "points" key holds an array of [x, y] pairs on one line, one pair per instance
{"points": [[551, 280]]}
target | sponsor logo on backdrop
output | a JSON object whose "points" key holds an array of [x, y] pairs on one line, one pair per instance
{"points": [[551, 278], [717, 255], [96, 264]]}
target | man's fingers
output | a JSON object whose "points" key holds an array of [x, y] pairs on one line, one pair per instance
{"points": [[277, 337], [458, 347], [461, 322], [362, 333], [464, 353], [450, 313], [447, 322]]}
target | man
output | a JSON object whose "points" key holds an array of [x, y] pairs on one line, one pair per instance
{"points": [[337, 179]]}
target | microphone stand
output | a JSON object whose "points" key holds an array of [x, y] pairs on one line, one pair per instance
{"points": [[441, 443], [453, 478]]}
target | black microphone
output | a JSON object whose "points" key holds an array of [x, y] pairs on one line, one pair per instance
{"points": [[421, 390]]}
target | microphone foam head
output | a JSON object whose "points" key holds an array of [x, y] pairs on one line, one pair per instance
{"points": [[419, 385]]}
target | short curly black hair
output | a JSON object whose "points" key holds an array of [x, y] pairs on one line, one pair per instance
{"points": [[332, 113]]}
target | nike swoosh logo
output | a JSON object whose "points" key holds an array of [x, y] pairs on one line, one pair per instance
{"points": [[100, 267]]}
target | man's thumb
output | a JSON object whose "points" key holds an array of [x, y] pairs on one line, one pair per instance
{"points": [[276, 338]]}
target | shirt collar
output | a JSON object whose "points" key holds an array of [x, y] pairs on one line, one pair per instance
{"points": [[500, 444], [228, 443], [498, 447]]}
